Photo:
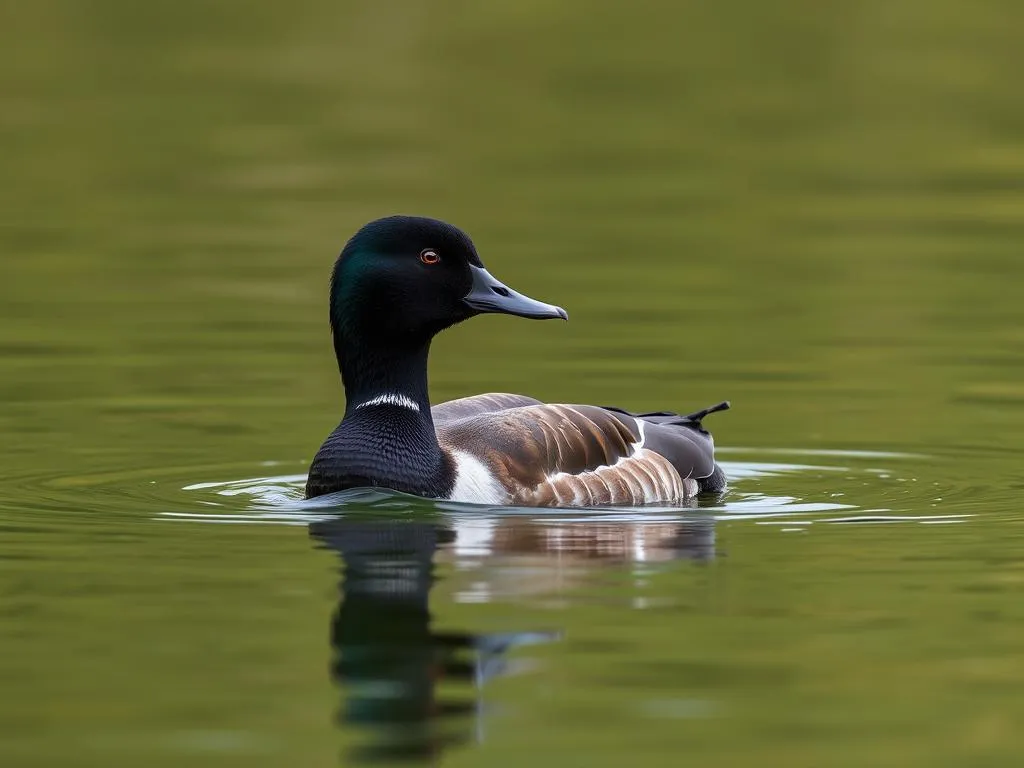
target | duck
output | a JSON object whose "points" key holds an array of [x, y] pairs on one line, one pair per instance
{"points": [[397, 283]]}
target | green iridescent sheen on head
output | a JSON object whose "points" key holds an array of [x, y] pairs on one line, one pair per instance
{"points": [[345, 296], [382, 289]]}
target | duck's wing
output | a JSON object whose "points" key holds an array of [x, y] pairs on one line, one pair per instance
{"points": [[464, 407], [585, 455]]}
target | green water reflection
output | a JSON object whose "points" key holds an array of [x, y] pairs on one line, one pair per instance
{"points": [[813, 209]]}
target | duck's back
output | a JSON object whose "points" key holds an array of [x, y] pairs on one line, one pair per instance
{"points": [[475, 405], [515, 449]]}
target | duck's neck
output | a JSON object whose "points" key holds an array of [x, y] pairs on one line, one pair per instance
{"points": [[387, 408], [386, 438], [385, 375]]}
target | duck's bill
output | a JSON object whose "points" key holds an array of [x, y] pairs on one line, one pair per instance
{"points": [[489, 294]]}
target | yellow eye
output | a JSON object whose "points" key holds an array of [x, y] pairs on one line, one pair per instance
{"points": [[429, 256]]}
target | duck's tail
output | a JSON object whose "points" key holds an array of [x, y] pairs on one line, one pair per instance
{"points": [[698, 416], [669, 417]]}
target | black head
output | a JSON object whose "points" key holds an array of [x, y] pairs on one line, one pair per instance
{"points": [[402, 279]]}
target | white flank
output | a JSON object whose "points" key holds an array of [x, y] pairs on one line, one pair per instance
{"points": [[392, 398], [474, 483], [643, 438]]}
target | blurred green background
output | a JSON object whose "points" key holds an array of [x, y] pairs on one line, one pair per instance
{"points": [[814, 209]]}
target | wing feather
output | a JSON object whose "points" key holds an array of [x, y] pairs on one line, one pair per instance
{"points": [[555, 454], [465, 407]]}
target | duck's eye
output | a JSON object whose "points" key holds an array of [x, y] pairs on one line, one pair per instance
{"points": [[429, 256]]}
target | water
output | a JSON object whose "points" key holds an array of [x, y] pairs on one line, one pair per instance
{"points": [[812, 210]]}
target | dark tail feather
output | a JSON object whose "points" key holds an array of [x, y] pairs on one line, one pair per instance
{"points": [[692, 420], [697, 416], [668, 417]]}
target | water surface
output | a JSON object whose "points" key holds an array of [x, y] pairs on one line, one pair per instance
{"points": [[813, 210]]}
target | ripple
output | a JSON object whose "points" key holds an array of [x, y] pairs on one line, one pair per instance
{"points": [[784, 485], [822, 489]]}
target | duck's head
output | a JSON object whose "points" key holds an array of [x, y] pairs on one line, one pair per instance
{"points": [[403, 279]]}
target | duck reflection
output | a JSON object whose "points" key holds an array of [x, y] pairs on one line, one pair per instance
{"points": [[416, 692], [633, 541], [515, 556]]}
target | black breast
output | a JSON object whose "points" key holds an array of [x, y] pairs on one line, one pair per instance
{"points": [[383, 447]]}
